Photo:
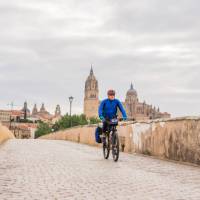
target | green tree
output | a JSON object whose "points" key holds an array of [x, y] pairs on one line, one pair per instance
{"points": [[94, 120], [64, 123], [43, 129], [67, 121]]}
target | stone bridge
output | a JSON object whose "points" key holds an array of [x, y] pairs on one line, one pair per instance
{"points": [[175, 139], [55, 169]]}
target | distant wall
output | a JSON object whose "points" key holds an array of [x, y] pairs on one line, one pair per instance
{"points": [[5, 134], [176, 139]]}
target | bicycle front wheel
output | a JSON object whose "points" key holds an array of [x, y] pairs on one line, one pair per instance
{"points": [[115, 146], [106, 146]]}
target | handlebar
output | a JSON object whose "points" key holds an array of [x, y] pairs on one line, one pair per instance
{"points": [[121, 119], [128, 119]]}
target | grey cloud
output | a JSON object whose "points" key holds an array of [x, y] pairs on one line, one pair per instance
{"points": [[156, 16], [46, 48]]}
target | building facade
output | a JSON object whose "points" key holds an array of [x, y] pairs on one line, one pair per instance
{"points": [[18, 121], [141, 110], [43, 115], [135, 109], [5, 116]]}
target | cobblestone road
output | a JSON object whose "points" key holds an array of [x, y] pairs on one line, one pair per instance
{"points": [[47, 169]]}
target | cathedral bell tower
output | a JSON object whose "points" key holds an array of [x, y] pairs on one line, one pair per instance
{"points": [[131, 101], [58, 111], [91, 100]]}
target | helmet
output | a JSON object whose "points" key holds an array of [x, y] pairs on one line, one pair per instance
{"points": [[111, 92]]}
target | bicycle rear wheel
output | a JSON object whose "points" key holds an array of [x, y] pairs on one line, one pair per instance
{"points": [[106, 146], [115, 146]]}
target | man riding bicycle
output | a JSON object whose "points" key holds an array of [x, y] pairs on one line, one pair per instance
{"points": [[108, 109]]}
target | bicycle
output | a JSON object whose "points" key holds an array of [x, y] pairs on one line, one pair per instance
{"points": [[111, 140]]}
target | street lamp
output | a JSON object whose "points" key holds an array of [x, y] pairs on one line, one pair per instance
{"points": [[70, 112]]}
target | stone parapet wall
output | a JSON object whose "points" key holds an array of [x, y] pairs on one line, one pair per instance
{"points": [[5, 134], [82, 134], [86, 135], [176, 139]]}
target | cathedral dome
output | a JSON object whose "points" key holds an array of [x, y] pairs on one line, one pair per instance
{"points": [[131, 91]]}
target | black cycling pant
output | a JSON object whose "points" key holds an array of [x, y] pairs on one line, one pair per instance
{"points": [[105, 126]]}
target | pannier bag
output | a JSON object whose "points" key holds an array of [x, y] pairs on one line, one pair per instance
{"points": [[98, 132]]}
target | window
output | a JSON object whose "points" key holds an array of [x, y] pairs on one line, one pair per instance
{"points": [[93, 96]]}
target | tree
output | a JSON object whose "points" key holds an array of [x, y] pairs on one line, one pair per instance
{"points": [[94, 120], [65, 122], [43, 129]]}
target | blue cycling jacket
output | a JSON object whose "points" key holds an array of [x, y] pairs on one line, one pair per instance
{"points": [[108, 108]]}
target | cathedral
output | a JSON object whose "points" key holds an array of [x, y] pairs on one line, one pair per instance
{"points": [[41, 114], [44, 115], [135, 110]]}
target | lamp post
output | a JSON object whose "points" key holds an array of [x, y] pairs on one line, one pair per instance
{"points": [[70, 112]]}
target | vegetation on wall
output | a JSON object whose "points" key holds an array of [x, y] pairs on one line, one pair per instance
{"points": [[43, 129], [65, 122], [94, 120]]}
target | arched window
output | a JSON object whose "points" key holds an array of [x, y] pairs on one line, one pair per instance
{"points": [[93, 96], [93, 85]]}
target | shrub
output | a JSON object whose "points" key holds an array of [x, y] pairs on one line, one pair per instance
{"points": [[94, 120], [43, 129], [67, 122]]}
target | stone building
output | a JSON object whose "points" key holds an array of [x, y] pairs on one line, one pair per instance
{"points": [[91, 99], [17, 115], [43, 111], [43, 115], [5, 115], [57, 115], [134, 108], [58, 111], [14, 119], [141, 110]]}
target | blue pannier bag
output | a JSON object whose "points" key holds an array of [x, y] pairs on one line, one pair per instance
{"points": [[98, 132]]}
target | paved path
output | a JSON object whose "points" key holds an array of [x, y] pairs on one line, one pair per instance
{"points": [[44, 169]]}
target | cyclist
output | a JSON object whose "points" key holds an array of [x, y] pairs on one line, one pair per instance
{"points": [[108, 109]]}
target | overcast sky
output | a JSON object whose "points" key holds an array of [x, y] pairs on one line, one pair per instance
{"points": [[47, 47]]}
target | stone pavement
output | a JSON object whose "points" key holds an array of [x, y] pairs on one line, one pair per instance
{"points": [[54, 170]]}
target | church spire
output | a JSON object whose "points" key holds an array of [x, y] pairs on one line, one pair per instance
{"points": [[42, 109], [131, 86], [35, 110], [91, 70]]}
